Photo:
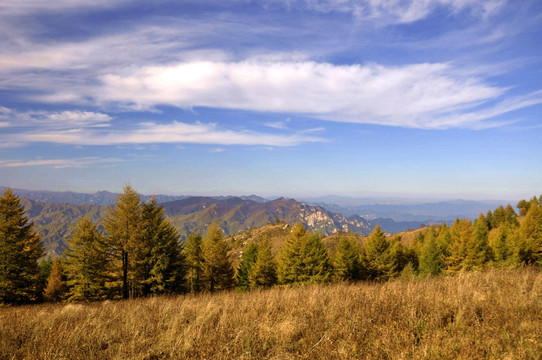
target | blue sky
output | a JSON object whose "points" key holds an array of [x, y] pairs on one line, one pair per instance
{"points": [[436, 99]]}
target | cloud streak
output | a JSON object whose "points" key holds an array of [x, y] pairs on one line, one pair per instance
{"points": [[419, 96], [60, 163]]}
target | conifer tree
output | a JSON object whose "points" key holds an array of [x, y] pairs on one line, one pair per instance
{"points": [[264, 270], [245, 268], [478, 252], [217, 268], [511, 216], [461, 232], [303, 258], [346, 262], [431, 262], [375, 255], [397, 257], [194, 260], [530, 236], [123, 225], [56, 289], [159, 256], [290, 265], [87, 263], [501, 245], [20, 249], [315, 262]]}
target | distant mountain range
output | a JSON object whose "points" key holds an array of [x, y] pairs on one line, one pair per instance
{"points": [[56, 213]]}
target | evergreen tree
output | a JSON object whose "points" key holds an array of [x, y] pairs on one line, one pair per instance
{"points": [[194, 260], [315, 263], [217, 268], [478, 251], [245, 268], [87, 263], [499, 216], [20, 249], [346, 262], [431, 262], [530, 236], [159, 256], [375, 255], [264, 270], [303, 258], [501, 245], [290, 265], [56, 289], [511, 216], [397, 257], [123, 225], [461, 232]]}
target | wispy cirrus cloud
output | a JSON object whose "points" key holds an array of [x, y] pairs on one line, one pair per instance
{"points": [[60, 163], [395, 11], [419, 96], [53, 120], [82, 128]]}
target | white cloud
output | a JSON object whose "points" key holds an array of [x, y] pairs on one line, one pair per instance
{"points": [[398, 11], [151, 133], [21, 7], [419, 95], [62, 119], [59, 163]]}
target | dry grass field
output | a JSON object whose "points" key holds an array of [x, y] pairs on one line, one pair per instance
{"points": [[485, 315]]}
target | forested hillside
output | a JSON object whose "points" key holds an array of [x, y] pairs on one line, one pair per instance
{"points": [[136, 251]]}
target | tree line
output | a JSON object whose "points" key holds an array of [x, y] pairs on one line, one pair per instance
{"points": [[137, 252]]}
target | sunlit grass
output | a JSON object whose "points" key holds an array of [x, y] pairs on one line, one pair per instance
{"points": [[494, 314]]}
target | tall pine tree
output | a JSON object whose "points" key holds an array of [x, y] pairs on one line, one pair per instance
{"points": [[123, 225], [20, 249], [217, 267], [245, 267], [264, 270], [87, 263], [194, 261]]}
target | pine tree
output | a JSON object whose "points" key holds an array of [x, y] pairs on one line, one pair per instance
{"points": [[461, 232], [290, 266], [431, 262], [396, 258], [346, 262], [245, 268], [123, 225], [87, 263], [502, 249], [303, 258], [315, 263], [20, 249], [478, 252], [159, 255], [194, 260], [375, 255], [530, 236], [56, 289], [217, 268], [264, 270]]}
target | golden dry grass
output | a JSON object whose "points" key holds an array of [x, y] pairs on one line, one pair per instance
{"points": [[489, 315]]}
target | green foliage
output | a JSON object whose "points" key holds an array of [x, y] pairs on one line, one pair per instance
{"points": [[194, 261], [346, 262], [217, 268], [530, 236], [124, 227], [264, 270], [431, 262], [375, 256], [87, 263], [56, 289], [20, 249], [303, 258], [159, 257], [502, 245], [245, 268]]}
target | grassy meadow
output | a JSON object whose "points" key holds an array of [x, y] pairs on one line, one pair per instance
{"points": [[495, 314]]}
